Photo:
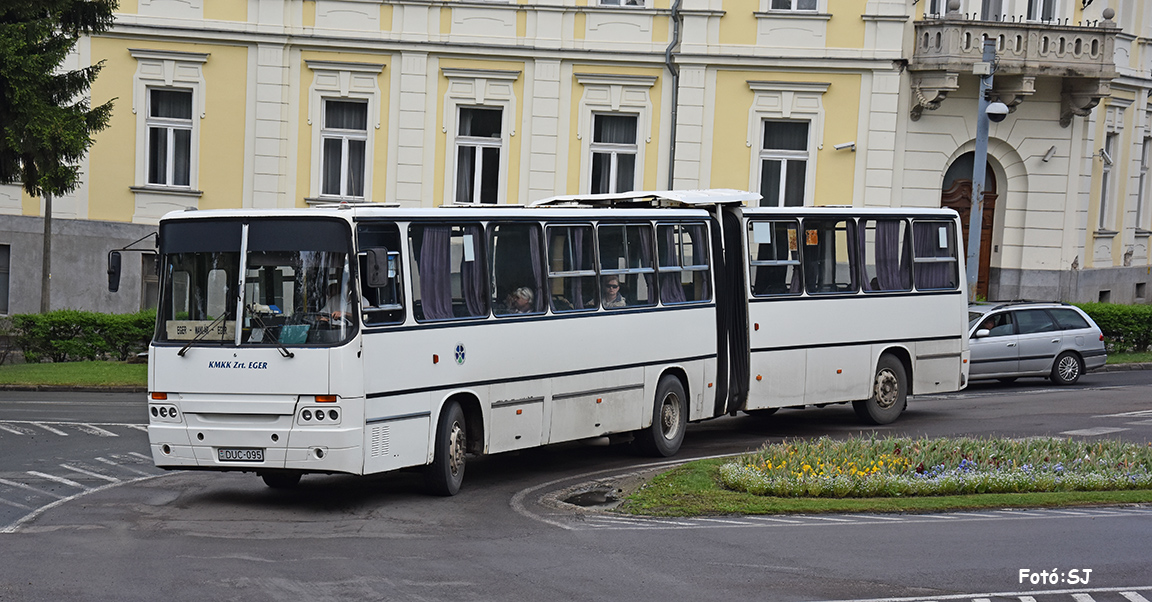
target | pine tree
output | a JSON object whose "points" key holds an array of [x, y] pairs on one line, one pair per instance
{"points": [[46, 121]]}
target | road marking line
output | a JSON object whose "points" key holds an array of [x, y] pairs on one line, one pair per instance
{"points": [[95, 430], [139, 427], [14, 504], [720, 520], [1140, 423], [141, 456], [1134, 597], [30, 488], [10, 429], [121, 466], [1027, 599], [1137, 413], [890, 518], [50, 429], [1082, 598], [835, 520], [1094, 431], [42, 509], [775, 520], [59, 480], [981, 600], [90, 473], [1023, 596]]}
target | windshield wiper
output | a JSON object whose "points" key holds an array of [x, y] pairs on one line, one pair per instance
{"points": [[283, 349], [203, 333]]}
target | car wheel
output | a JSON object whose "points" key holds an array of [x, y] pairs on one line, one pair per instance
{"points": [[1067, 368]]}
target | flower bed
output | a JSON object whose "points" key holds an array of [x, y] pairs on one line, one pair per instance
{"points": [[892, 467]]}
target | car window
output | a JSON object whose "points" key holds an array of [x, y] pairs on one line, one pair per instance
{"points": [[1029, 321], [1068, 319], [973, 316], [998, 325]]}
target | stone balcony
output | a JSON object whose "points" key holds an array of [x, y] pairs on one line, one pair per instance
{"points": [[1081, 56]]}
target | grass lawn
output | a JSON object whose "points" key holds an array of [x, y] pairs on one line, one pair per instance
{"points": [[1130, 358], [694, 489], [84, 374]]}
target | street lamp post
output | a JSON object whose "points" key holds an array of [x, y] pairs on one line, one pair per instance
{"points": [[979, 167]]}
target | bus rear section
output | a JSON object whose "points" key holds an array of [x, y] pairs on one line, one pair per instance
{"points": [[861, 306]]}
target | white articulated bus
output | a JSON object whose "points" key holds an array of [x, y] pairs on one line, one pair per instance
{"points": [[364, 338]]}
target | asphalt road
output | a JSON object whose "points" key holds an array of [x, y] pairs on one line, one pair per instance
{"points": [[85, 516]]}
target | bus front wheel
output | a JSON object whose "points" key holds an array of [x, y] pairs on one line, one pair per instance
{"points": [[669, 419], [889, 393], [446, 472]]}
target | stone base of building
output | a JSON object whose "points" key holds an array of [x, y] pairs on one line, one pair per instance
{"points": [[1113, 285]]}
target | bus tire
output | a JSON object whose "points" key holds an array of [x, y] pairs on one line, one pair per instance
{"points": [[1067, 368], [281, 479], [446, 472], [889, 393], [669, 419]]}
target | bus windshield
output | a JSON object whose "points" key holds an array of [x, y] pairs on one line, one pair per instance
{"points": [[296, 287]]}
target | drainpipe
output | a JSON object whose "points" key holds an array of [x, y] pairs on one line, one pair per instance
{"points": [[675, 71]]}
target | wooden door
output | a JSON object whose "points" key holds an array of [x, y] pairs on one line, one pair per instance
{"points": [[957, 197]]}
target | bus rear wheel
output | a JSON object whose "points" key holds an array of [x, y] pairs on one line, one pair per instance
{"points": [[669, 419], [889, 393], [446, 472]]}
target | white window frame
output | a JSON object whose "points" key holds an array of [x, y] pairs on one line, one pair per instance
{"points": [[1113, 128], [935, 8], [345, 81], [482, 89], [792, 6], [606, 93], [785, 156], [1143, 192], [165, 69], [614, 150], [170, 125], [478, 144], [635, 4], [786, 101], [1035, 10], [344, 136]]}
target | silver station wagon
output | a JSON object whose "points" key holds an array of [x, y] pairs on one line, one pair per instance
{"points": [[1024, 338]]}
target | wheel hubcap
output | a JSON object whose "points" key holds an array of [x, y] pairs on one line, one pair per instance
{"points": [[456, 449], [1069, 368], [670, 416], [887, 389]]}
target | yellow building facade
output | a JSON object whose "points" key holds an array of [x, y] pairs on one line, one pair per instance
{"points": [[290, 103]]}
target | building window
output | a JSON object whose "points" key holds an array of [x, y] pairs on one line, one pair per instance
{"points": [[169, 137], [1106, 155], [613, 153], [5, 263], [992, 10], [794, 5], [478, 144], [783, 163], [636, 3], [1142, 192], [935, 8], [1041, 10], [344, 137]]}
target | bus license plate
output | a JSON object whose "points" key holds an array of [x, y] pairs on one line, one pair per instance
{"points": [[232, 454]]}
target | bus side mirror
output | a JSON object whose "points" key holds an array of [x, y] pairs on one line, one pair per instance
{"points": [[113, 271], [379, 269]]}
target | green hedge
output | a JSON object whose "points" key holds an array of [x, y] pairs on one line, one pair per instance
{"points": [[71, 335], [1126, 328]]}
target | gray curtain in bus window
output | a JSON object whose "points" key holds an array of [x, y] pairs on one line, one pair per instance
{"points": [[537, 267], [670, 289], [472, 276], [891, 255], [577, 264], [926, 239], [436, 272]]}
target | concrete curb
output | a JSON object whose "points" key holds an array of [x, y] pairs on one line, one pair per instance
{"points": [[1124, 367]]}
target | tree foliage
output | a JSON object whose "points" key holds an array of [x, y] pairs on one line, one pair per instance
{"points": [[46, 123]]}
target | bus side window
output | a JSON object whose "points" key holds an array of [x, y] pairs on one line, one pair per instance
{"points": [[381, 304], [449, 278], [517, 263], [886, 254], [774, 258], [572, 268], [683, 263], [828, 256], [936, 261], [626, 260]]}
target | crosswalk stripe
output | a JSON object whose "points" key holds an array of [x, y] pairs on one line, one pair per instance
{"points": [[50, 429], [1083, 598], [141, 456], [57, 479], [29, 488], [121, 466], [14, 504], [95, 430], [139, 427], [90, 473], [10, 430], [1133, 597]]}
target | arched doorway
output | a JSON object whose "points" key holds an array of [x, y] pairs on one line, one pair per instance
{"points": [[956, 194]]}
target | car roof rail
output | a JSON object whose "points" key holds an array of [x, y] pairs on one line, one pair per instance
{"points": [[1009, 303]]}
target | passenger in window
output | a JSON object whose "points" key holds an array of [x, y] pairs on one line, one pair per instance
{"points": [[520, 301], [612, 297]]}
